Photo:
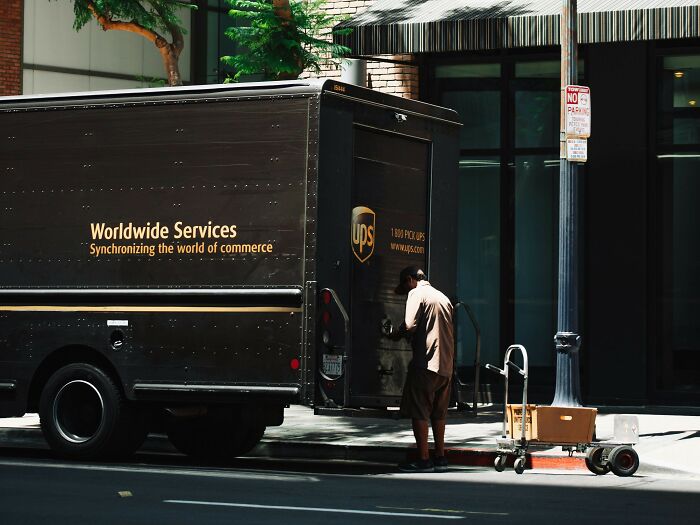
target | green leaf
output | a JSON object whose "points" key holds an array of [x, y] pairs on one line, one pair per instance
{"points": [[279, 48]]}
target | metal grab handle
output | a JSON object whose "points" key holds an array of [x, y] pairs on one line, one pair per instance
{"points": [[477, 354], [517, 368], [347, 353], [494, 369]]}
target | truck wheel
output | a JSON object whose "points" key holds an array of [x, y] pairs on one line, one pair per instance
{"points": [[251, 439], [137, 431], [624, 461], [83, 413], [213, 438]]}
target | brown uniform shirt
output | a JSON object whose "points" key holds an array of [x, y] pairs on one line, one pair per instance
{"points": [[429, 318]]}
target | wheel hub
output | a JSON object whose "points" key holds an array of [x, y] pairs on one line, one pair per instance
{"points": [[78, 411]]}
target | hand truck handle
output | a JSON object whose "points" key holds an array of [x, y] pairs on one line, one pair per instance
{"points": [[517, 368], [495, 369]]}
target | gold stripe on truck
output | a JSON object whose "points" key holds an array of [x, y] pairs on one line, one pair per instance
{"points": [[193, 309]]}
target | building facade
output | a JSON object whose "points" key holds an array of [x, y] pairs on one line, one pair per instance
{"points": [[498, 64], [11, 47], [40, 52]]}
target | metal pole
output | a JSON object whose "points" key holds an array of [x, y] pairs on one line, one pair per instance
{"points": [[567, 340]]}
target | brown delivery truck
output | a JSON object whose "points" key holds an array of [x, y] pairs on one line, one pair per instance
{"points": [[198, 258]]}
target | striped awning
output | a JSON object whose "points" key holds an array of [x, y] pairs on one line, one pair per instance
{"points": [[430, 26]]}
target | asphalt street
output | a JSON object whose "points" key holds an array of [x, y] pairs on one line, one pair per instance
{"points": [[155, 489]]}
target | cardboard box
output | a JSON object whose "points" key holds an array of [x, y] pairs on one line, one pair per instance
{"points": [[514, 416], [565, 425]]}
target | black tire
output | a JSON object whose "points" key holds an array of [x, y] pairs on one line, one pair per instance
{"points": [[624, 461], [136, 432], [84, 414], [252, 438], [214, 437], [595, 463], [499, 463], [519, 465], [182, 433]]}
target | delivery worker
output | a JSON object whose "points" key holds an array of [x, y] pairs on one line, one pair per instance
{"points": [[426, 393]]}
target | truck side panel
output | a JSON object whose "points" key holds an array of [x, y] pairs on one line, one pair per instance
{"points": [[126, 230], [172, 172]]}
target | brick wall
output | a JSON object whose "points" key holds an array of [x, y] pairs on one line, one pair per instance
{"points": [[11, 47], [383, 75]]}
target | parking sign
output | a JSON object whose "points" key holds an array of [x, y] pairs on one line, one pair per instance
{"points": [[577, 111]]}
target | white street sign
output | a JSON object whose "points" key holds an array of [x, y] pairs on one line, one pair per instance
{"points": [[577, 150], [577, 107]]}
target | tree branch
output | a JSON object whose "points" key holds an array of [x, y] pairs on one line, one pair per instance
{"points": [[282, 10], [178, 39], [107, 23]]}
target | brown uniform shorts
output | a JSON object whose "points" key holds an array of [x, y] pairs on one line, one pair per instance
{"points": [[426, 395]]}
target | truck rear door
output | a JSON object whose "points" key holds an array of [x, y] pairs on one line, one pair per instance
{"points": [[390, 191]]}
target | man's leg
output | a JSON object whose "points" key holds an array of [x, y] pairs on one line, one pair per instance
{"points": [[439, 437], [420, 432]]}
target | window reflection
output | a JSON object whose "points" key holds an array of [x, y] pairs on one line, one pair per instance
{"points": [[478, 266], [678, 366], [536, 234], [680, 100]]}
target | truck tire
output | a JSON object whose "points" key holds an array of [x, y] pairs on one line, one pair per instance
{"points": [[214, 438], [251, 438], [84, 414]]}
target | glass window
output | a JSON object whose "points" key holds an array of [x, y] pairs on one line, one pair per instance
{"points": [[508, 252], [478, 262], [678, 366], [537, 100], [536, 223], [543, 69], [213, 41], [473, 90], [680, 359], [468, 71], [680, 100], [536, 118], [480, 112]]}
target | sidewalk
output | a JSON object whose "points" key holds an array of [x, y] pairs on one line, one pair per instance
{"points": [[669, 444]]}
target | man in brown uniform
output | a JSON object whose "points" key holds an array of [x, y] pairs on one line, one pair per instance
{"points": [[426, 393]]}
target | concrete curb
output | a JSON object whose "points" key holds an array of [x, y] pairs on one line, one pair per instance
{"points": [[32, 438]]}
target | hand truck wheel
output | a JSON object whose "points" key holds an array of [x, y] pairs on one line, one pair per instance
{"points": [[624, 461], [595, 462], [499, 463], [519, 465]]}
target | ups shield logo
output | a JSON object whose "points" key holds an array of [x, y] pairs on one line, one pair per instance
{"points": [[362, 233]]}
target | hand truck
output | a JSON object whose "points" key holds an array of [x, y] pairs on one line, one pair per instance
{"points": [[617, 455]]}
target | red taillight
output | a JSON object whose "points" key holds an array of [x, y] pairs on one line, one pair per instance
{"points": [[326, 297], [294, 364], [326, 318]]}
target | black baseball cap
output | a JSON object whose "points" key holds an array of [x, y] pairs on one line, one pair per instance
{"points": [[409, 271]]}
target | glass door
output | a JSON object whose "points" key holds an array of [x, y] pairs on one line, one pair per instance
{"points": [[508, 208], [677, 345]]}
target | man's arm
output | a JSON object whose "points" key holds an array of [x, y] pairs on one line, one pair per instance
{"points": [[413, 312]]}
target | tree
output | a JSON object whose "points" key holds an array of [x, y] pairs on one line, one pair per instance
{"points": [[283, 38], [149, 18]]}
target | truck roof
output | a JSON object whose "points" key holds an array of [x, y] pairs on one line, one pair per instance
{"points": [[243, 90]]}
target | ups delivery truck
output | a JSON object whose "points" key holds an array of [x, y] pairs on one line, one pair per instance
{"points": [[199, 258]]}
